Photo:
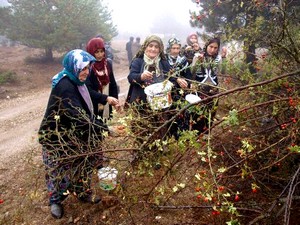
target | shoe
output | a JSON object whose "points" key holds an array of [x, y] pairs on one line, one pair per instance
{"points": [[57, 211], [93, 199]]}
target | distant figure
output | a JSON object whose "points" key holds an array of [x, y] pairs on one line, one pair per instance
{"points": [[136, 46], [108, 50], [129, 50]]}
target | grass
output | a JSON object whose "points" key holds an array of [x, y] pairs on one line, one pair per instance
{"points": [[7, 76]]}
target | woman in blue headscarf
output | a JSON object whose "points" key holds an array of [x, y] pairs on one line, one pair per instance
{"points": [[69, 133]]}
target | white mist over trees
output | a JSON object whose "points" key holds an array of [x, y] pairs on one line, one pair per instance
{"points": [[55, 25]]}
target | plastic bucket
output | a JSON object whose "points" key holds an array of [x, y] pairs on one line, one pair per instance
{"points": [[159, 95], [107, 178], [191, 98]]}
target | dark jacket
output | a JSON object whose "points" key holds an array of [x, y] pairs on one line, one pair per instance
{"points": [[68, 114], [136, 88], [93, 86]]}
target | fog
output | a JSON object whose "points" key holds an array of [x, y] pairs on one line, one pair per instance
{"points": [[143, 17], [167, 18]]}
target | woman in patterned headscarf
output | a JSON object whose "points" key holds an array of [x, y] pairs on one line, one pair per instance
{"points": [[148, 67], [67, 131]]}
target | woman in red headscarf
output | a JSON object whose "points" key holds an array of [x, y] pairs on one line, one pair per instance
{"points": [[101, 81]]}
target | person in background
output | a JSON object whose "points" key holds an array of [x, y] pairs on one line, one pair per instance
{"points": [[101, 81], [129, 49], [149, 66], [136, 46], [68, 129], [205, 69], [192, 47]]}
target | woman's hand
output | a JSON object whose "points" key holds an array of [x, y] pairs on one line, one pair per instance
{"points": [[146, 75], [182, 82], [118, 108], [224, 52], [112, 101]]}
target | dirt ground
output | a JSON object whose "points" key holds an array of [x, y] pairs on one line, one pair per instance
{"points": [[22, 104]]}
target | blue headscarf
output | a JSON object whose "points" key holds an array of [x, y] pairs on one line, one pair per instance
{"points": [[73, 62]]}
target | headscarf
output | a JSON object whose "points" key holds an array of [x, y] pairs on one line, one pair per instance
{"points": [[147, 41], [152, 63], [100, 68], [171, 42], [73, 62], [188, 39]]}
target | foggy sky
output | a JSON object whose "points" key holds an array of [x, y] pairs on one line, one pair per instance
{"points": [[141, 17]]}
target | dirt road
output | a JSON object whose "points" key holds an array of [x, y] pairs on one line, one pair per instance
{"points": [[21, 114], [20, 119]]}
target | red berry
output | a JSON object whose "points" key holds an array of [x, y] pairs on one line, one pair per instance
{"points": [[236, 198]]}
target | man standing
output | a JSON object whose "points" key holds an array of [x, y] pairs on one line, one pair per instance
{"points": [[128, 49], [136, 46]]}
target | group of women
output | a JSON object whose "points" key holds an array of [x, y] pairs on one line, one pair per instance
{"points": [[85, 91], [189, 68]]}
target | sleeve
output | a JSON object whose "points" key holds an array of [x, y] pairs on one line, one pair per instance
{"points": [[70, 99], [113, 87], [135, 72], [95, 95]]}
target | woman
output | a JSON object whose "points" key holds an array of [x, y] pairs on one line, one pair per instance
{"points": [[68, 131], [205, 69], [179, 65], [192, 47], [101, 81], [148, 67], [182, 72]]}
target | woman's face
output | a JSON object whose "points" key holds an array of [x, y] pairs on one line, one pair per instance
{"points": [[152, 50], [194, 39], [99, 54], [84, 73], [212, 49], [175, 50]]}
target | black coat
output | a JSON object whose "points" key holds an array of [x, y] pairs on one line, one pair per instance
{"points": [[93, 86], [136, 88], [67, 113]]}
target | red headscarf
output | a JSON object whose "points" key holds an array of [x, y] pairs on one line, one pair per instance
{"points": [[100, 68]]}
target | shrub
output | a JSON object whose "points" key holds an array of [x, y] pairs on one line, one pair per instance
{"points": [[7, 76]]}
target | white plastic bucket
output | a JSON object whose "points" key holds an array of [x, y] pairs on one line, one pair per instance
{"points": [[107, 178], [159, 95], [191, 98]]}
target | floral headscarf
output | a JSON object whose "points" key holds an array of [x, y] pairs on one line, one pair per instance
{"points": [[147, 41], [100, 68], [73, 62], [171, 42]]}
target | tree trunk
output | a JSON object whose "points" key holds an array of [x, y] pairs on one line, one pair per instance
{"points": [[251, 58], [49, 54]]}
